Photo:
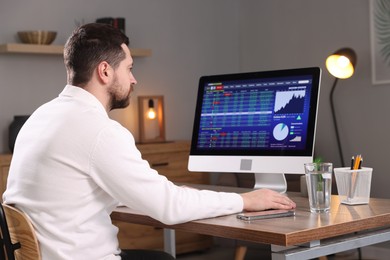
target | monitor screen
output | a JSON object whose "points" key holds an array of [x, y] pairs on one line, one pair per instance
{"points": [[258, 122]]}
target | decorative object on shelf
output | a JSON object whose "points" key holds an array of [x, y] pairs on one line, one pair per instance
{"points": [[37, 37], [118, 23], [151, 119], [14, 129], [341, 65]]}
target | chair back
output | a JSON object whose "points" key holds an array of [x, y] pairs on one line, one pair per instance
{"points": [[19, 240]]}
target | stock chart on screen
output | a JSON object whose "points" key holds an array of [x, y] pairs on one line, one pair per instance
{"points": [[271, 114]]}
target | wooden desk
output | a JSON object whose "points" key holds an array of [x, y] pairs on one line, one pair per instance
{"points": [[344, 228]]}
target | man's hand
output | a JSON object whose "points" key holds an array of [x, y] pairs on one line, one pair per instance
{"points": [[263, 199]]}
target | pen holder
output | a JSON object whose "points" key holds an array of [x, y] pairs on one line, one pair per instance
{"points": [[353, 185]]}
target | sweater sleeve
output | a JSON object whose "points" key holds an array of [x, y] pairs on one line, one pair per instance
{"points": [[118, 168]]}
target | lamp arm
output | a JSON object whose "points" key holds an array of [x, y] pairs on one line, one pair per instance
{"points": [[335, 122]]}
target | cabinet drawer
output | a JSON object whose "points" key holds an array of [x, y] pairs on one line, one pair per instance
{"points": [[174, 166]]}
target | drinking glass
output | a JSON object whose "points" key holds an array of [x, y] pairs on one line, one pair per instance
{"points": [[319, 186]]}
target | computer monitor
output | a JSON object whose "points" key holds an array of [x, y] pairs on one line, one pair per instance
{"points": [[257, 122]]}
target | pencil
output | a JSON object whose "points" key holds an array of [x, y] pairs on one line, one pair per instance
{"points": [[357, 161]]}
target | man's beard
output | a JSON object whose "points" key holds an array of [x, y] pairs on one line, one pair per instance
{"points": [[119, 103], [116, 101]]}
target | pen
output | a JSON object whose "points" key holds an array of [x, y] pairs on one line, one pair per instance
{"points": [[351, 192], [355, 165], [352, 162]]}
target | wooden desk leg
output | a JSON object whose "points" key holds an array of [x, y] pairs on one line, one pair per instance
{"points": [[240, 252], [170, 241]]}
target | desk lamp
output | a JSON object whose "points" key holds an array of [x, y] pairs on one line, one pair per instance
{"points": [[341, 65]]}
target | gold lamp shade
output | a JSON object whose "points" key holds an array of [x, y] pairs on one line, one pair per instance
{"points": [[342, 63]]}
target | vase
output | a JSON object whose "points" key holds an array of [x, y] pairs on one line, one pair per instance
{"points": [[14, 129]]}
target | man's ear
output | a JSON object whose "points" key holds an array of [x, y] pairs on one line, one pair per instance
{"points": [[105, 72]]}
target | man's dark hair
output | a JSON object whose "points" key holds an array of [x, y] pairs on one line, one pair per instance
{"points": [[89, 45]]}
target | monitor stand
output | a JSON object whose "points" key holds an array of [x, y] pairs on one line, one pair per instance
{"points": [[272, 181]]}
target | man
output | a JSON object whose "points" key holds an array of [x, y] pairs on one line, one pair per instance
{"points": [[72, 165]]}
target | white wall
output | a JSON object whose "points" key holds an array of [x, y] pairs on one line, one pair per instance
{"points": [[300, 33], [190, 38]]}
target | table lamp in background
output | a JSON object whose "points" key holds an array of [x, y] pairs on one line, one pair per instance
{"points": [[341, 65]]}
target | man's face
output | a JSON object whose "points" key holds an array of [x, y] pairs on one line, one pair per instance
{"points": [[123, 82]]}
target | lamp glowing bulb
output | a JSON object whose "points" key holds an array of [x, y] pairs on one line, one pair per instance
{"points": [[343, 61], [151, 113]]}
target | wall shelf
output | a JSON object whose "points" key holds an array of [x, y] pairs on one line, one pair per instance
{"points": [[20, 48]]}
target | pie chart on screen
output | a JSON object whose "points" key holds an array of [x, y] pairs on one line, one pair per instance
{"points": [[280, 131]]}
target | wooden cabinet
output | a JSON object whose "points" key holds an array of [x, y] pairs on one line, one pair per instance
{"points": [[169, 159]]}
